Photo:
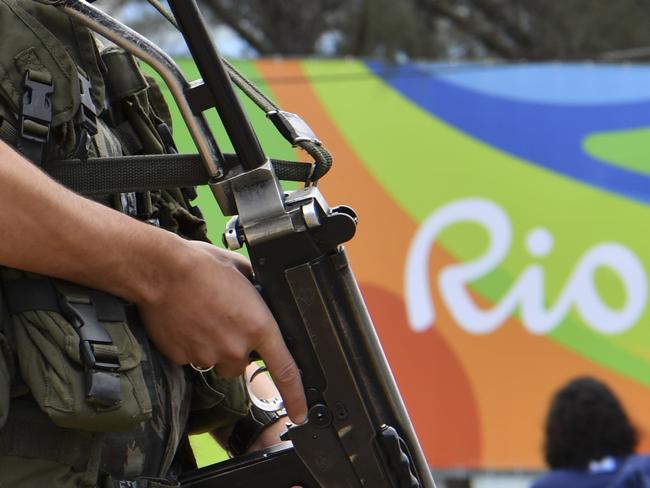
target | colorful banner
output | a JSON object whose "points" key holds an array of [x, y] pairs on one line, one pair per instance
{"points": [[502, 247]]}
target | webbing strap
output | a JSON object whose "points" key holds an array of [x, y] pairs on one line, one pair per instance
{"points": [[8, 132], [29, 433], [84, 309], [102, 176], [26, 295]]}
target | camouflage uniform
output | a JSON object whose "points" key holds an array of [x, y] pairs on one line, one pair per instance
{"points": [[50, 433]]}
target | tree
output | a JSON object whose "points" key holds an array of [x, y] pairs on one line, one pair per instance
{"points": [[502, 29], [544, 30], [290, 27]]}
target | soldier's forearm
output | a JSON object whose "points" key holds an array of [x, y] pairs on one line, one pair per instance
{"points": [[50, 230]]}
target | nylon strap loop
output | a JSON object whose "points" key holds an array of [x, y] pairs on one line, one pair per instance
{"points": [[123, 77], [8, 132]]}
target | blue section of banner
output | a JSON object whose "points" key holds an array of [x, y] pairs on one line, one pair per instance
{"points": [[546, 134], [550, 83]]}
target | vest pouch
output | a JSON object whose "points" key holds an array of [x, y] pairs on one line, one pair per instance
{"points": [[95, 385]]}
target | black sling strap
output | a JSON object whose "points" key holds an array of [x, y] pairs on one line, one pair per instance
{"points": [[103, 176]]}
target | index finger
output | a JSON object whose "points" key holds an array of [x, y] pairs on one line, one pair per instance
{"points": [[285, 375]]}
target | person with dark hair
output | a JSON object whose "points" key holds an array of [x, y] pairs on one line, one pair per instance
{"points": [[590, 441]]}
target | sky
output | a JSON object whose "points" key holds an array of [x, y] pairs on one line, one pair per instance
{"points": [[226, 40]]}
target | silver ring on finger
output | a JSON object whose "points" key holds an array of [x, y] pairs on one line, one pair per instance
{"points": [[202, 370]]}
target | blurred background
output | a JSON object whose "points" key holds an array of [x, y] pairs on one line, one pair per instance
{"points": [[498, 154], [506, 30]]}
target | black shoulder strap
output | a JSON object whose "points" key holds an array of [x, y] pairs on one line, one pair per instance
{"points": [[105, 176]]}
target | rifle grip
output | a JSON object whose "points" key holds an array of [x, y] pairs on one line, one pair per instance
{"points": [[397, 459]]}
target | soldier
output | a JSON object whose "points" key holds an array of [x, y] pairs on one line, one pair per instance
{"points": [[101, 303]]}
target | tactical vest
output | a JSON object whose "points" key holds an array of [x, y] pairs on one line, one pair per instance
{"points": [[103, 400]]}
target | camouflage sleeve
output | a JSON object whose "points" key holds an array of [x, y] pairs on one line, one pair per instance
{"points": [[216, 402]]}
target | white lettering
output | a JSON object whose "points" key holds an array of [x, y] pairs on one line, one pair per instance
{"points": [[528, 290]]}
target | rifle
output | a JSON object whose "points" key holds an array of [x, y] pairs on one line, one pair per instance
{"points": [[358, 433]]}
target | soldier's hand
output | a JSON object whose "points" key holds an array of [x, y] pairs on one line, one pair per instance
{"points": [[195, 302], [206, 312]]}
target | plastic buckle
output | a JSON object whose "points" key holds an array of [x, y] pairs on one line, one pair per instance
{"points": [[86, 119], [292, 127], [100, 363], [92, 334], [87, 115], [36, 116]]}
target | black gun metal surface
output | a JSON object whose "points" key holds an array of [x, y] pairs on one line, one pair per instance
{"points": [[358, 432]]}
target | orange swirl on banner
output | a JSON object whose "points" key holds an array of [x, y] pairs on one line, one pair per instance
{"points": [[379, 261], [446, 375]]}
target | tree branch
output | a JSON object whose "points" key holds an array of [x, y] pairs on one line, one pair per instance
{"points": [[360, 36], [494, 12], [226, 16], [490, 39]]}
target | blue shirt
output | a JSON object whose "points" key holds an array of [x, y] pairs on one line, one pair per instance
{"points": [[630, 472]]}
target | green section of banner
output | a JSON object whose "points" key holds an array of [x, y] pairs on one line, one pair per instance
{"points": [[206, 450], [415, 144], [629, 149]]}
